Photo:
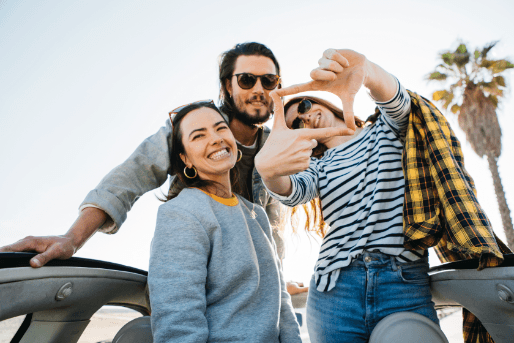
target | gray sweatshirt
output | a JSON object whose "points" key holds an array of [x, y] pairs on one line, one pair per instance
{"points": [[214, 275]]}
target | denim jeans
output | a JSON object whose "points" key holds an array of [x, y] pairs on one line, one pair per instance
{"points": [[372, 287]]}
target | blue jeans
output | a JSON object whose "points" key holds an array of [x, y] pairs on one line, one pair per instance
{"points": [[372, 287]]}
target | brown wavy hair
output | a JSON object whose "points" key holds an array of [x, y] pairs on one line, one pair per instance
{"points": [[177, 165], [312, 210]]}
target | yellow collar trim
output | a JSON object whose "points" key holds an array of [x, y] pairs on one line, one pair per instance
{"points": [[232, 201]]}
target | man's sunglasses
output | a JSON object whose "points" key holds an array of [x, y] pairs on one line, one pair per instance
{"points": [[303, 107], [247, 80], [174, 112]]}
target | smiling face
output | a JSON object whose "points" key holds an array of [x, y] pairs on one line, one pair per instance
{"points": [[254, 105], [317, 117], [208, 143]]}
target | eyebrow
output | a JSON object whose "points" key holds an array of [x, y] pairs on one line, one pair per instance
{"points": [[204, 129]]}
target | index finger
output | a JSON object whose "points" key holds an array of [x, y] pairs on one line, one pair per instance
{"points": [[295, 89], [327, 132], [21, 245], [279, 120]]}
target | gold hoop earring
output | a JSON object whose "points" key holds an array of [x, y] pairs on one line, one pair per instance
{"points": [[190, 177], [239, 155]]}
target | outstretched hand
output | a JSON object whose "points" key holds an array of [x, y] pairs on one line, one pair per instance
{"points": [[341, 72], [287, 151], [48, 248]]}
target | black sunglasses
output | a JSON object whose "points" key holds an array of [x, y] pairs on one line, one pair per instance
{"points": [[303, 107], [247, 80]]}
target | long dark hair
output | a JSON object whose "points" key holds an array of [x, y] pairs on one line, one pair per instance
{"points": [[177, 165], [312, 210], [227, 65]]}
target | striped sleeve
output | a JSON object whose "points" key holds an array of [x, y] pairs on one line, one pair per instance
{"points": [[304, 187], [396, 111]]}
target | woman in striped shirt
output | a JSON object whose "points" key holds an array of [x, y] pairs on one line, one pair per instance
{"points": [[363, 272]]}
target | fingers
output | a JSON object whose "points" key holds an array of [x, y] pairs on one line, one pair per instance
{"points": [[27, 244], [295, 89], [349, 117], [279, 121], [326, 132], [326, 64], [332, 54], [319, 74]]}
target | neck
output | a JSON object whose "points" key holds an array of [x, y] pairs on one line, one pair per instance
{"points": [[243, 133], [221, 187]]}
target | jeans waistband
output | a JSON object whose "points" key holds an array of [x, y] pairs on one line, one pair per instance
{"points": [[376, 258]]}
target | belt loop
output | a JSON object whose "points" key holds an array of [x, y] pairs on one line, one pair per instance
{"points": [[393, 263]]}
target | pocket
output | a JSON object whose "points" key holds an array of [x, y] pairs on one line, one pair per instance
{"points": [[415, 272]]}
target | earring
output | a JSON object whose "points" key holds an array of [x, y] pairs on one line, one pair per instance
{"points": [[190, 177], [239, 155]]}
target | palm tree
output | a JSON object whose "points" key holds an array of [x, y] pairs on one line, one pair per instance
{"points": [[478, 81]]}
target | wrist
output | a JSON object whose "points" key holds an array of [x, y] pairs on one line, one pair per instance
{"points": [[86, 225], [370, 72]]}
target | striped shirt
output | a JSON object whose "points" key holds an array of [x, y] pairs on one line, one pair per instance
{"points": [[361, 187]]}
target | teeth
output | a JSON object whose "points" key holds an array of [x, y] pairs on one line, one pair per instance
{"points": [[218, 154]]}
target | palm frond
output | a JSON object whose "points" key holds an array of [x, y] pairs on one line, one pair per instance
{"points": [[437, 76], [501, 65], [488, 48]]}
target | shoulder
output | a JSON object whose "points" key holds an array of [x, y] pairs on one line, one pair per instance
{"points": [[190, 201], [265, 132]]}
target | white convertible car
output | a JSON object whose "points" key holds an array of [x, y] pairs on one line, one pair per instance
{"points": [[58, 300]]}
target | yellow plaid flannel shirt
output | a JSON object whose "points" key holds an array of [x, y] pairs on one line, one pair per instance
{"points": [[440, 207]]}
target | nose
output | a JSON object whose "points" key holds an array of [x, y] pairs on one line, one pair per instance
{"points": [[305, 117], [257, 88], [217, 138]]}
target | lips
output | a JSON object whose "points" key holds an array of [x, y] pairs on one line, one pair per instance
{"points": [[219, 154]]}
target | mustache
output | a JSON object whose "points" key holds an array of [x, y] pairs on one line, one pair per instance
{"points": [[258, 98]]}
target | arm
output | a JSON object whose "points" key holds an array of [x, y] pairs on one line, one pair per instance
{"points": [[177, 277], [396, 110], [146, 169], [105, 208], [304, 187]]}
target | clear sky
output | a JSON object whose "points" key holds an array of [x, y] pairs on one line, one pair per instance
{"points": [[82, 83]]}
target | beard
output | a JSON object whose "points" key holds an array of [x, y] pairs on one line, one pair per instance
{"points": [[259, 117]]}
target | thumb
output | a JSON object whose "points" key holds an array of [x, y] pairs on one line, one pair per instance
{"points": [[349, 117], [279, 120], [41, 259]]}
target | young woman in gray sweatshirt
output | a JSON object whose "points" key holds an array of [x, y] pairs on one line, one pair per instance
{"points": [[214, 273]]}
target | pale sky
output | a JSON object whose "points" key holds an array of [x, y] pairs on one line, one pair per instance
{"points": [[82, 83]]}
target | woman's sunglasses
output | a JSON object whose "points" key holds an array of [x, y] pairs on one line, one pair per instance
{"points": [[174, 112], [303, 107], [247, 80]]}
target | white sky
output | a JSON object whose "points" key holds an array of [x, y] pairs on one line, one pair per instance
{"points": [[82, 83]]}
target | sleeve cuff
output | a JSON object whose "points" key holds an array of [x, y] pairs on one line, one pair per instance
{"points": [[111, 205], [390, 101], [283, 198], [108, 227]]}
